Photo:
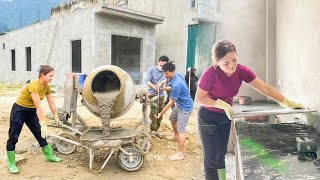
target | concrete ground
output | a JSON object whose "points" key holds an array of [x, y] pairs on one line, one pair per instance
{"points": [[75, 166], [157, 166]]}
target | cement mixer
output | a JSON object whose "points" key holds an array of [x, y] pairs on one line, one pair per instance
{"points": [[108, 92], [106, 79]]}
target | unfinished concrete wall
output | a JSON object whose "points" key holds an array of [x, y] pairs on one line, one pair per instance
{"points": [[77, 25], [171, 36], [298, 46], [244, 24], [271, 36], [147, 6], [106, 26], [70, 6], [93, 29]]}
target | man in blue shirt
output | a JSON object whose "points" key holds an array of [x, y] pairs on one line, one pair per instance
{"points": [[155, 79], [180, 114], [168, 86]]}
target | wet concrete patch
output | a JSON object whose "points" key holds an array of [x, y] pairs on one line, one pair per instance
{"points": [[269, 151]]}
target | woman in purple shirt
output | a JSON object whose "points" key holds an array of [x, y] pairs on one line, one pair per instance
{"points": [[218, 85]]}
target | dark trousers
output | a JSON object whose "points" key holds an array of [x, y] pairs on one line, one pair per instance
{"points": [[214, 130], [18, 116], [193, 94]]}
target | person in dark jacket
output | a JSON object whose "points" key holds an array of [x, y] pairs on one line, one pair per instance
{"points": [[192, 85]]}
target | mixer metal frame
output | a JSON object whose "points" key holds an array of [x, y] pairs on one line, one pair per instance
{"points": [[131, 149]]}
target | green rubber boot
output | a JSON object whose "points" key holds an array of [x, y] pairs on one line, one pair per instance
{"points": [[11, 158], [48, 153], [222, 174]]}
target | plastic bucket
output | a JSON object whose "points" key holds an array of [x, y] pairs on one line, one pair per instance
{"points": [[244, 100], [81, 80]]}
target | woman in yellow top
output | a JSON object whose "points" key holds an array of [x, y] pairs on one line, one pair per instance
{"points": [[27, 109]]}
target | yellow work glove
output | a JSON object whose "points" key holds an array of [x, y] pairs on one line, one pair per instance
{"points": [[286, 103], [56, 119], [226, 107], [44, 129]]}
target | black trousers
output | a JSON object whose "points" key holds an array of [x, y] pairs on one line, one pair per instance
{"points": [[193, 94], [214, 130], [18, 116]]}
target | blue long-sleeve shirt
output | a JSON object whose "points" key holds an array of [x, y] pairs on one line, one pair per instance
{"points": [[155, 76]]}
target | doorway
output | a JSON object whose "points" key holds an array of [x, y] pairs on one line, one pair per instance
{"points": [[126, 55], [76, 56], [201, 37]]}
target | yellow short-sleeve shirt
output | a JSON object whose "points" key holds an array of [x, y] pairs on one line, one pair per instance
{"points": [[34, 86]]}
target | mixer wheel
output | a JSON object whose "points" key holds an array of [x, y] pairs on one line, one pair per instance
{"points": [[65, 147], [131, 163]]}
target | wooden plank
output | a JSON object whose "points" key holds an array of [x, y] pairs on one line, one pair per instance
{"points": [[271, 112], [239, 168], [232, 140]]}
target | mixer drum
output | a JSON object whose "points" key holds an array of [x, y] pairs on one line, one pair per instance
{"points": [[106, 79]]}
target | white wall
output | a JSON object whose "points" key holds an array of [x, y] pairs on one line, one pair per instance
{"points": [[298, 47], [271, 36], [243, 23], [171, 36], [142, 5]]}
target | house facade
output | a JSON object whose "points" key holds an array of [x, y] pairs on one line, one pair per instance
{"points": [[79, 39]]}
